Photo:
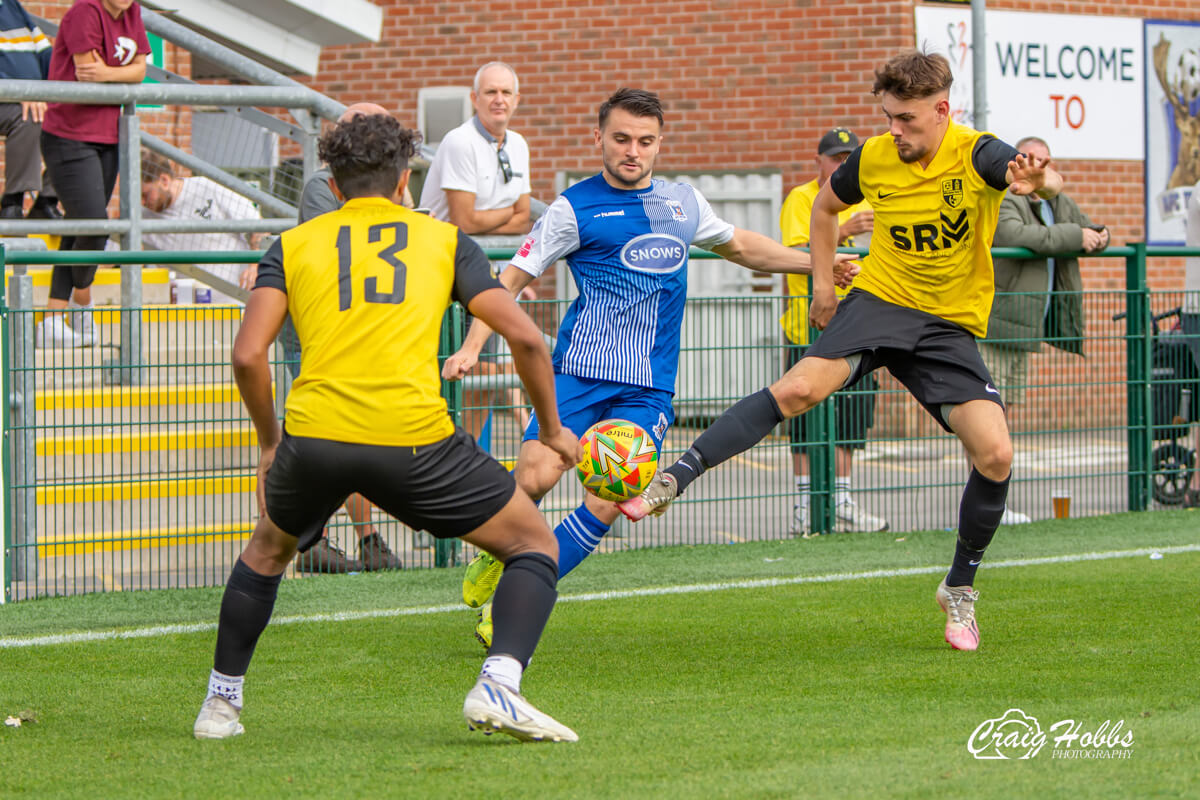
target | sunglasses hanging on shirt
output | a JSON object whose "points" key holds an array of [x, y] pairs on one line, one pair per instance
{"points": [[505, 164]]}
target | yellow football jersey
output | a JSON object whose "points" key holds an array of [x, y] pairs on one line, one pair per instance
{"points": [[931, 244], [367, 287], [794, 220]]}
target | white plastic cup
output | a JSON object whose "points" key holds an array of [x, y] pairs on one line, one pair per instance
{"points": [[183, 291]]}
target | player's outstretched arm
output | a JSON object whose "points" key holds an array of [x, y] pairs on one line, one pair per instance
{"points": [[462, 362], [264, 316], [822, 243], [755, 251], [1028, 174], [501, 313]]}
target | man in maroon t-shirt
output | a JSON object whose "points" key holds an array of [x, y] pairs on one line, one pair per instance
{"points": [[99, 41]]}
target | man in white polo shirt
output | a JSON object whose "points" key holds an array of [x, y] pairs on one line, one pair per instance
{"points": [[479, 178]]}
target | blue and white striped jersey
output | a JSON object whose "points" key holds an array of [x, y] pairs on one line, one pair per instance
{"points": [[628, 252]]}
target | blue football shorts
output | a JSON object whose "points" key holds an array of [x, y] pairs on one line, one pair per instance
{"points": [[582, 402]]}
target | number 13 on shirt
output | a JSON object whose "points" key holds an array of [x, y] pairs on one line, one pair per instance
{"points": [[397, 234]]}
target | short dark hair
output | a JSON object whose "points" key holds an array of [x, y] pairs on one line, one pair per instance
{"points": [[638, 102], [154, 165], [367, 154], [913, 74]]}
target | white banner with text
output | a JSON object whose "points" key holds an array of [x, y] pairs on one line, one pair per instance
{"points": [[1076, 81]]}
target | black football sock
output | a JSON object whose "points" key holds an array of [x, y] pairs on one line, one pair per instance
{"points": [[245, 611], [523, 601], [741, 427], [979, 515]]}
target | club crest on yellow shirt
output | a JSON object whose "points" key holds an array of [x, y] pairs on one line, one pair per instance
{"points": [[952, 191]]}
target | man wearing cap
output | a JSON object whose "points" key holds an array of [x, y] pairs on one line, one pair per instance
{"points": [[854, 412]]}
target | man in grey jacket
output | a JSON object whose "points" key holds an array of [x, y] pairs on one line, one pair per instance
{"points": [[1037, 299]]}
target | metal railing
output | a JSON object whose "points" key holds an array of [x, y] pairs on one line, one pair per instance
{"points": [[139, 474]]}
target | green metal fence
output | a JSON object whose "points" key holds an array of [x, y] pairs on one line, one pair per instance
{"points": [[133, 467]]}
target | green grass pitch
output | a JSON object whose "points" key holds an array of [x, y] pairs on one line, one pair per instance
{"points": [[840, 688]]}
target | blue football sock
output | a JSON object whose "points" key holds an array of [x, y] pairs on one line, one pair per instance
{"points": [[578, 534]]}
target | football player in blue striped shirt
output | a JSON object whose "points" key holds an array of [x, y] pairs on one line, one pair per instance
{"points": [[625, 236]]}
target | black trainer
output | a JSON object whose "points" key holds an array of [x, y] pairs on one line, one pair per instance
{"points": [[326, 557], [44, 211], [376, 555]]}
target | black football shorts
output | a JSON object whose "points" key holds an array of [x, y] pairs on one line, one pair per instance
{"points": [[448, 488], [936, 360]]}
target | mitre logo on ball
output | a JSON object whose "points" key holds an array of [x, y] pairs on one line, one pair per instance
{"points": [[619, 460]]}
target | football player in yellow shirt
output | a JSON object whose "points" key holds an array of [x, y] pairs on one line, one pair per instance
{"points": [[921, 298], [367, 287]]}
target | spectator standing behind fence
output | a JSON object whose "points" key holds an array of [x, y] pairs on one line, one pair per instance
{"points": [[166, 196], [99, 41], [479, 178], [1037, 299], [317, 198], [855, 413], [479, 181], [1190, 319], [24, 55]]}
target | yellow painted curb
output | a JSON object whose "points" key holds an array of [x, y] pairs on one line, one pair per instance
{"points": [[135, 396], [65, 545], [86, 444], [145, 490], [104, 276]]}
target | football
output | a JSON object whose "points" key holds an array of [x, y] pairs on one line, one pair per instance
{"points": [[619, 460]]}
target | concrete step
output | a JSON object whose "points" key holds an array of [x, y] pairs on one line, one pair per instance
{"points": [[66, 411], [144, 504], [146, 451], [184, 344], [215, 535]]}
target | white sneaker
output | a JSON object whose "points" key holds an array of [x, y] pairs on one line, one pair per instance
{"points": [[492, 707], [83, 323], [653, 500], [958, 602], [801, 522], [53, 331], [1014, 517], [218, 719], [849, 517]]}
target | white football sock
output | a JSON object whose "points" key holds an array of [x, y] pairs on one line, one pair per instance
{"points": [[842, 490], [504, 670], [803, 484], [226, 686]]}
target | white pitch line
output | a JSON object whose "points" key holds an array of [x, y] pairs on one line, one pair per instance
{"points": [[657, 591]]}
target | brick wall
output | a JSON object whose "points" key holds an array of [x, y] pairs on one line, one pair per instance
{"points": [[746, 84]]}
